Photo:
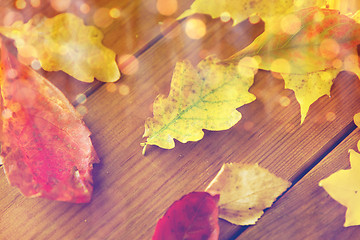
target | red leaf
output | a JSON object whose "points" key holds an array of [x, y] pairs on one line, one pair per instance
{"points": [[194, 216], [46, 146]]}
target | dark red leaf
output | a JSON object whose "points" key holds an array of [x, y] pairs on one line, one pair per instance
{"points": [[194, 216], [46, 148]]}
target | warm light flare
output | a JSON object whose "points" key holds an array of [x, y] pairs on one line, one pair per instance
{"points": [[35, 3], [20, 4], [195, 28], [167, 7], [102, 18], [60, 5], [128, 64]]}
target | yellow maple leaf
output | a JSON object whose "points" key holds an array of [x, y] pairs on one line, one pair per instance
{"points": [[245, 191], [239, 10], [65, 43], [308, 48], [344, 187], [205, 97]]}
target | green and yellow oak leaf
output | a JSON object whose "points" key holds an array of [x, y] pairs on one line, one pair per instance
{"points": [[344, 187], [239, 10], [308, 48], [205, 97], [65, 43], [245, 191]]}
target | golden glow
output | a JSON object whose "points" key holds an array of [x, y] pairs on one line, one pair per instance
{"points": [[85, 8], [35, 3], [284, 101], [124, 89], [60, 5], [20, 4], [280, 65], [254, 19], [195, 28], [337, 63], [128, 64], [225, 17], [35, 64], [115, 13], [329, 48], [15, 107], [6, 114], [330, 116], [111, 87], [81, 98], [167, 7], [102, 18], [12, 73], [290, 24], [248, 125]]}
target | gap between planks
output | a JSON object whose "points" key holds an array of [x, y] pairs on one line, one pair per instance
{"points": [[319, 156]]}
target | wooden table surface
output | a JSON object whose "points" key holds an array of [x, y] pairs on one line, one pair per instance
{"points": [[133, 191]]}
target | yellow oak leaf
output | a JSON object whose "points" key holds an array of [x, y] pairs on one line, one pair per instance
{"points": [[239, 10], [205, 97], [344, 187], [65, 43], [245, 191], [315, 49], [357, 123]]}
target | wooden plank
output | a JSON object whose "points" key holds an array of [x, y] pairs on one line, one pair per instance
{"points": [[306, 211], [133, 191]]}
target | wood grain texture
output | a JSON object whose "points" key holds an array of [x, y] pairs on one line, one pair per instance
{"points": [[133, 191], [306, 211]]}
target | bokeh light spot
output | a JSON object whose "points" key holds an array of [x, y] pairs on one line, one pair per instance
{"points": [[284, 101], [319, 16], [81, 98], [330, 116], [115, 13], [337, 63], [248, 66], [195, 28], [85, 8], [254, 19], [60, 5], [167, 7], [329, 48], [124, 89], [128, 64], [12, 73], [248, 125], [225, 17], [35, 3], [20, 4], [290, 24], [82, 110], [102, 18], [280, 65], [111, 87], [6, 113], [35, 64]]}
